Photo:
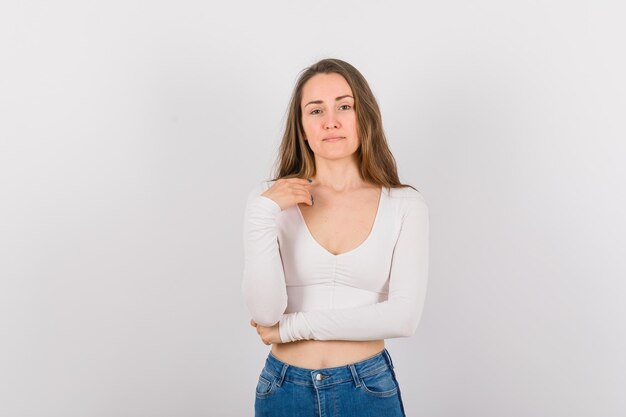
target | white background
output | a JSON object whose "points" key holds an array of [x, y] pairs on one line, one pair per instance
{"points": [[131, 132]]}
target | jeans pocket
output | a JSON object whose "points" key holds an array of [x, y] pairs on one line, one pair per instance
{"points": [[381, 384], [265, 385]]}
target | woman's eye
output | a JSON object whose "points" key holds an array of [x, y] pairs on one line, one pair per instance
{"points": [[316, 111], [345, 107]]}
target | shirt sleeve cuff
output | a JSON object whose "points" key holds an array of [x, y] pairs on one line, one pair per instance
{"points": [[283, 329], [293, 327]]}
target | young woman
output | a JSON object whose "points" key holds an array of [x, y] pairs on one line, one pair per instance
{"points": [[336, 255]]}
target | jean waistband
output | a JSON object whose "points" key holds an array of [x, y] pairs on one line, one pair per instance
{"points": [[327, 376]]}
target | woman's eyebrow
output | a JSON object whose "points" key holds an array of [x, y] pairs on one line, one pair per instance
{"points": [[320, 101]]}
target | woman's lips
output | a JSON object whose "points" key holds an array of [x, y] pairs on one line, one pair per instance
{"points": [[333, 139]]}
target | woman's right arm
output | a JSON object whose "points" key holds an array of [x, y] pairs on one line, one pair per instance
{"points": [[263, 285]]}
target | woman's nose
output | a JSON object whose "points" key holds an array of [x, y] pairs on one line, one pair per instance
{"points": [[331, 121]]}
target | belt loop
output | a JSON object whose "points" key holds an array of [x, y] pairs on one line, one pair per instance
{"points": [[355, 375], [282, 374], [388, 358]]}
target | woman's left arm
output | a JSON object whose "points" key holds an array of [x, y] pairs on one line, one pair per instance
{"points": [[399, 315]]}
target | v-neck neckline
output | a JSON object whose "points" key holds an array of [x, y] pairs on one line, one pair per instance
{"points": [[360, 245]]}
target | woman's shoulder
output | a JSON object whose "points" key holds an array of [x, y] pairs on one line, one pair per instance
{"points": [[262, 185], [407, 200], [259, 187], [402, 193]]}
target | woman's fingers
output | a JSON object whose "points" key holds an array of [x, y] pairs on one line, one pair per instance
{"points": [[287, 192]]}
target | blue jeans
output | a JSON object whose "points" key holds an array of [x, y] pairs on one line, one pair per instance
{"points": [[361, 389]]}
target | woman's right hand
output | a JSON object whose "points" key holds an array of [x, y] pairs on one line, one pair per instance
{"points": [[287, 192]]}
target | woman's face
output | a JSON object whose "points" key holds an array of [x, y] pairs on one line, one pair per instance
{"points": [[328, 116]]}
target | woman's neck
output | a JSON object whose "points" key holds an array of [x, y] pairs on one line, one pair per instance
{"points": [[339, 175]]}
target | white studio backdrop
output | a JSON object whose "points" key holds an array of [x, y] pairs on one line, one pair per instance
{"points": [[131, 132]]}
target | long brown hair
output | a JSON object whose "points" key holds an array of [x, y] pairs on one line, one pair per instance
{"points": [[376, 162]]}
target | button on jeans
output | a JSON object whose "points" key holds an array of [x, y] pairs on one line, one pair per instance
{"points": [[362, 389]]}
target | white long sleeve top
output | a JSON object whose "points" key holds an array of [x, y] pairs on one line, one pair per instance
{"points": [[374, 291]]}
